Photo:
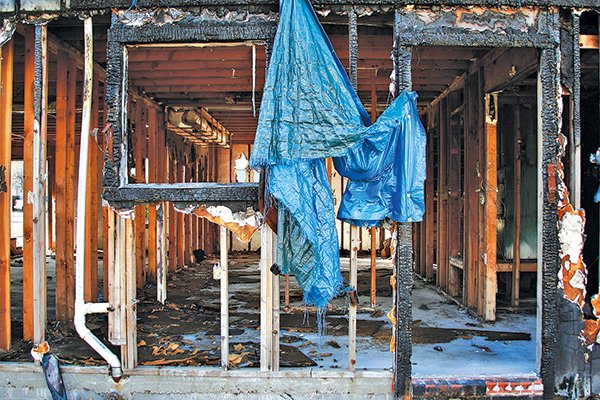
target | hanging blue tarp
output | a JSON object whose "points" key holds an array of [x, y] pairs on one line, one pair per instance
{"points": [[309, 112]]}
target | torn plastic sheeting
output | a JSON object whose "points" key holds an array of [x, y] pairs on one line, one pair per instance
{"points": [[309, 112], [386, 169]]}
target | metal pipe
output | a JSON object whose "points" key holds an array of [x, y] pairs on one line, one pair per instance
{"points": [[82, 308]]}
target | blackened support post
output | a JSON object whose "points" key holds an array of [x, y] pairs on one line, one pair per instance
{"points": [[575, 189], [549, 119], [402, 58]]}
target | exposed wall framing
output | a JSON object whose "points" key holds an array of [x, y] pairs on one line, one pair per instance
{"points": [[186, 182], [412, 30]]}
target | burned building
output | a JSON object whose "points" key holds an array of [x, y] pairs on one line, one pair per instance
{"points": [[135, 240]]}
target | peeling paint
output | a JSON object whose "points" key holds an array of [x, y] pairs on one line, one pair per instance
{"points": [[3, 185], [7, 31], [158, 16], [573, 272], [481, 19]]}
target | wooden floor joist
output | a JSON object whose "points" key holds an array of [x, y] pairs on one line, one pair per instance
{"points": [[6, 77]]}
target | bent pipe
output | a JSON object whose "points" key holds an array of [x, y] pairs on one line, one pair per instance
{"points": [[81, 307]]}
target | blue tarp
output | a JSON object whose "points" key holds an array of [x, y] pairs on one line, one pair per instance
{"points": [[309, 112]]}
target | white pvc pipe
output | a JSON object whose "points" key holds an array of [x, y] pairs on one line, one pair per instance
{"points": [[82, 308]]}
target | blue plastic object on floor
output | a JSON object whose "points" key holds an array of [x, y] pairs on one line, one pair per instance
{"points": [[309, 112], [53, 376]]}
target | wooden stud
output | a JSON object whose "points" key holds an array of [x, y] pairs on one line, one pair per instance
{"points": [[28, 93], [224, 275], [6, 89], [91, 226], [442, 238], [373, 231], [429, 206], [471, 204], [70, 189], [139, 150], [287, 294], [172, 219], [187, 237], [516, 270], [152, 173], [115, 267], [490, 206], [50, 205], [129, 349], [180, 239], [481, 168], [454, 191], [60, 186], [266, 299], [105, 210], [39, 183], [275, 309], [161, 265], [352, 308]]}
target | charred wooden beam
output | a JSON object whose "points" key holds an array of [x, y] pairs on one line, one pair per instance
{"points": [[402, 57], [237, 196], [81, 5], [449, 26]]}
